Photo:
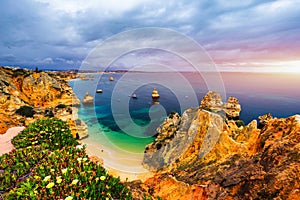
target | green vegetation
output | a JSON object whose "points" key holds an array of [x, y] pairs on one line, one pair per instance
{"points": [[25, 111], [61, 106], [239, 123], [52, 133], [49, 164]]}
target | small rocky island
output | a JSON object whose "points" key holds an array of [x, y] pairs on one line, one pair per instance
{"points": [[208, 153], [88, 99]]}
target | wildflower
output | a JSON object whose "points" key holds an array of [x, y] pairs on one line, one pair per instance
{"points": [[69, 198], [102, 178], [79, 147], [97, 179], [36, 177], [64, 170], [79, 159], [75, 181], [59, 180], [47, 178], [52, 170], [106, 198], [84, 159], [50, 185]]}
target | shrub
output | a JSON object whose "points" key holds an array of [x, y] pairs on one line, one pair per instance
{"points": [[47, 165], [61, 106], [25, 111], [53, 133], [239, 123]]}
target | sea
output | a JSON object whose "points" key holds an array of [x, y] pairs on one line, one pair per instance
{"points": [[127, 124]]}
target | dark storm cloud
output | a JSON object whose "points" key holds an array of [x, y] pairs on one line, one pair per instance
{"points": [[62, 33]]}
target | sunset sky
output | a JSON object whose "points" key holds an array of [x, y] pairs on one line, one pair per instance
{"points": [[247, 35]]}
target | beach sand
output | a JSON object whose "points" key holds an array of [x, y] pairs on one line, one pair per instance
{"points": [[127, 166], [5, 140]]}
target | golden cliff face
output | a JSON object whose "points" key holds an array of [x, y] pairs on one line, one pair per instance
{"points": [[47, 93], [212, 157]]}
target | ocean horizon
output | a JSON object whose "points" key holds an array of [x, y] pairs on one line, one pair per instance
{"points": [[110, 125]]}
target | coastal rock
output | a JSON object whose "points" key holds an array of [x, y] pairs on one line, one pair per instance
{"points": [[228, 162], [88, 99], [212, 101], [168, 188], [232, 108], [264, 119], [48, 93]]}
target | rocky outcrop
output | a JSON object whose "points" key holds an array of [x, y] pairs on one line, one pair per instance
{"points": [[88, 99], [264, 119], [212, 101], [221, 159], [47, 93]]}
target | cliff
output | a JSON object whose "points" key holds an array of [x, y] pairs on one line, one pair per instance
{"points": [[27, 95], [207, 154]]}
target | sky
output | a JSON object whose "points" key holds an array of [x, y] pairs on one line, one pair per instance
{"points": [[248, 35]]}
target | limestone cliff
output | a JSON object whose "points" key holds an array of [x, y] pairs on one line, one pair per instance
{"points": [[48, 94], [204, 155]]}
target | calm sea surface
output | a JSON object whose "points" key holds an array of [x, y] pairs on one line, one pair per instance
{"points": [[119, 121]]}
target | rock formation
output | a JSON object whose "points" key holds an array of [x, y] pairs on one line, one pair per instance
{"points": [[47, 93], [202, 155], [88, 99], [264, 119], [212, 101]]}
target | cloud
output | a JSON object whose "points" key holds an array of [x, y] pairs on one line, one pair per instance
{"points": [[66, 31]]}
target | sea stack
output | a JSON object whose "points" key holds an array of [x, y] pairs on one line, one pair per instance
{"points": [[88, 99], [155, 94]]}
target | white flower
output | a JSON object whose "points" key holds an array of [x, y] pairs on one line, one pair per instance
{"points": [[64, 170], [47, 178], [79, 147]]}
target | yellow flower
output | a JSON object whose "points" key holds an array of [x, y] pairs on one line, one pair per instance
{"points": [[106, 198], [59, 180], [50, 185], [75, 181], [36, 177], [64, 170], [52, 170], [102, 178], [84, 159], [69, 198], [47, 178], [79, 159]]}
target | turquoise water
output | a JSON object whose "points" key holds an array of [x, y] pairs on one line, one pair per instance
{"points": [[121, 122]]}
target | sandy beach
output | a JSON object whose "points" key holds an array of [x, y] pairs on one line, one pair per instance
{"points": [[126, 165], [5, 140]]}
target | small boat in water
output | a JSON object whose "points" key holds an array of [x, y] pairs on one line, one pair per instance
{"points": [[99, 91], [111, 78], [134, 96], [155, 94]]}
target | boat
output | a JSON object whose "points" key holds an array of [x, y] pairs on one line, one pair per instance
{"points": [[155, 94], [111, 78], [134, 96], [99, 91]]}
